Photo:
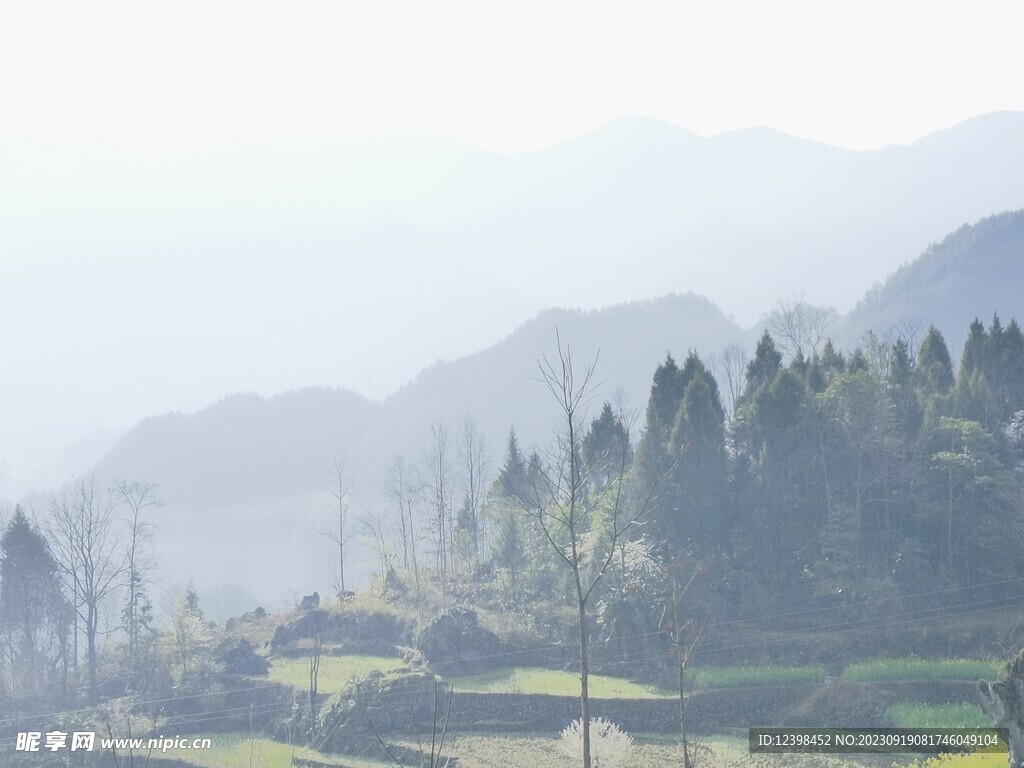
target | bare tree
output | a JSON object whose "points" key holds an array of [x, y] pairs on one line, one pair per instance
{"points": [[799, 328], [338, 531], [375, 527], [730, 369], [582, 525], [472, 449], [404, 489], [878, 353], [909, 329], [315, 654], [684, 636], [437, 485], [93, 567], [137, 497]]}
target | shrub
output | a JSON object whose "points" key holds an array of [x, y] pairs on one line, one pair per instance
{"points": [[610, 746]]}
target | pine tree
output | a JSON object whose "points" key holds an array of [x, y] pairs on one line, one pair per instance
{"points": [[606, 448], [831, 361], [666, 395], [686, 516], [512, 475], [762, 369], [34, 615], [510, 488], [903, 394], [857, 361], [1004, 367], [654, 456], [784, 499], [934, 366], [975, 354], [1012, 363], [691, 517]]}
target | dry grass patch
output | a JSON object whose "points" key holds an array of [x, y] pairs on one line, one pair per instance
{"points": [[554, 682]]}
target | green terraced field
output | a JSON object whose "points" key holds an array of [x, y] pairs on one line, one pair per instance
{"points": [[737, 677], [911, 668], [335, 671], [914, 714]]}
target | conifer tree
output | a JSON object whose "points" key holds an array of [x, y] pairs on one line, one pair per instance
{"points": [[766, 363], [903, 394], [605, 446], [510, 486], [34, 615], [831, 361], [934, 366], [690, 518], [512, 475], [974, 357]]}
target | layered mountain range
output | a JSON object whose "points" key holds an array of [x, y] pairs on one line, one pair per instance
{"points": [[160, 282], [351, 263], [243, 479]]}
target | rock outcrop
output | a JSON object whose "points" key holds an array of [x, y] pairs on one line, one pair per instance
{"points": [[1003, 702], [454, 643]]}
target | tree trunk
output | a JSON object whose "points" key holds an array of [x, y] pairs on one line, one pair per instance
{"points": [[584, 673], [682, 708], [341, 552], [90, 631]]}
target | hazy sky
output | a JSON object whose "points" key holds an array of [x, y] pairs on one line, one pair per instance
{"points": [[508, 77], [504, 76]]}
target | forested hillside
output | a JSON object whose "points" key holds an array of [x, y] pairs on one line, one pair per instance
{"points": [[977, 267], [254, 469], [855, 504], [233, 467], [807, 510]]}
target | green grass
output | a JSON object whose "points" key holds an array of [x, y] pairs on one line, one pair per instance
{"points": [[881, 670], [914, 714], [335, 671], [240, 750], [737, 677], [554, 683]]}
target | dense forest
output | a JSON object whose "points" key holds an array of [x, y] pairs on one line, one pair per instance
{"points": [[803, 505], [875, 483]]}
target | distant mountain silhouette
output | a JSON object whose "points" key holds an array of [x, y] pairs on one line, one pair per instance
{"points": [[973, 272], [244, 449], [357, 261], [242, 479], [250, 470]]}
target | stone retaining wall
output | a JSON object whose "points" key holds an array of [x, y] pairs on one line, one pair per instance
{"points": [[707, 711], [244, 703]]}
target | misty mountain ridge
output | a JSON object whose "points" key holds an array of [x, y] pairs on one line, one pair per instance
{"points": [[333, 422], [251, 466], [252, 470], [245, 448], [356, 261], [973, 272]]}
